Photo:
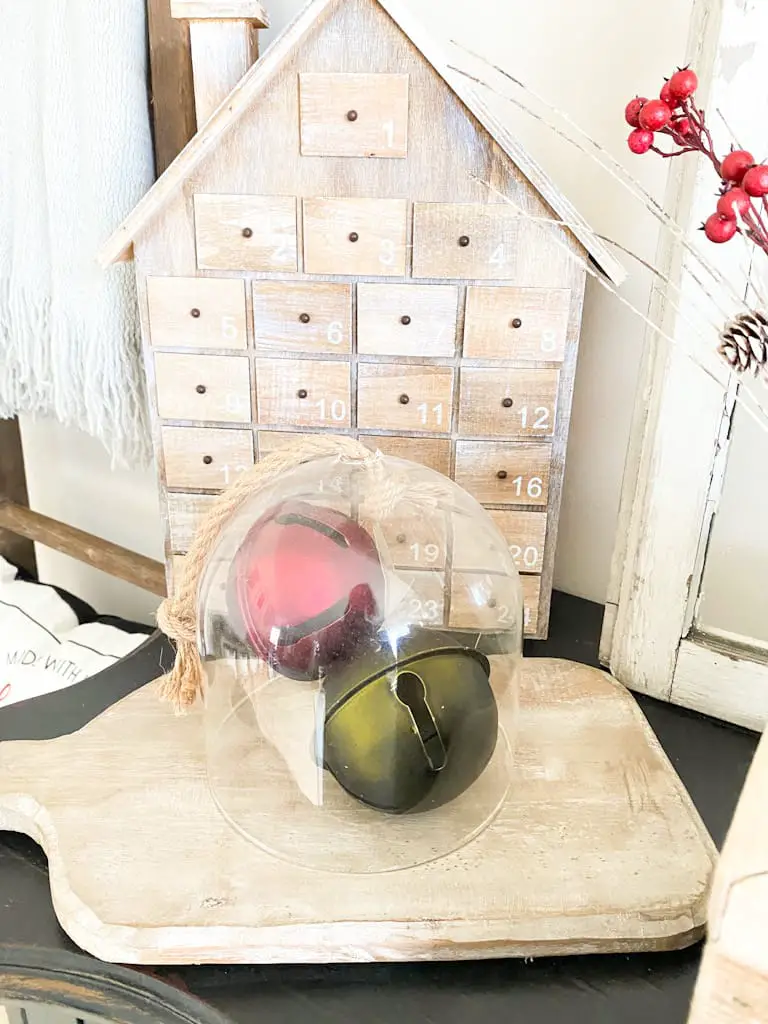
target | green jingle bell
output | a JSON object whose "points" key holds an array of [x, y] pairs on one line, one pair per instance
{"points": [[410, 727]]}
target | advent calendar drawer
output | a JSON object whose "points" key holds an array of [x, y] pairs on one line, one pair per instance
{"points": [[302, 393], [502, 402], [204, 457], [424, 600], [404, 398], [196, 312], [523, 532], [516, 323], [406, 319], [483, 600], [429, 451], [499, 473], [531, 597], [354, 115], [464, 240], [246, 232], [185, 513], [355, 236], [336, 494], [272, 440], [214, 388], [302, 316], [413, 542]]}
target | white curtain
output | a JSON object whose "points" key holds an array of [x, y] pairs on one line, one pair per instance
{"points": [[75, 156]]}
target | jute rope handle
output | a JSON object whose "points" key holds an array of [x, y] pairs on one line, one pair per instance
{"points": [[177, 615]]}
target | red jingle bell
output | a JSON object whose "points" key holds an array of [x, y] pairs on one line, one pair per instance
{"points": [[308, 587]]}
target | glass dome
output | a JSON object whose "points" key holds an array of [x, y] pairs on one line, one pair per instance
{"points": [[361, 630]]}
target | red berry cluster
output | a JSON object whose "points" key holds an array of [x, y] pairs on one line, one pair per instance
{"points": [[667, 114], [742, 206]]}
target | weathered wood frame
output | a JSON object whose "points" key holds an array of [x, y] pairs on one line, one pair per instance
{"points": [[679, 447]]}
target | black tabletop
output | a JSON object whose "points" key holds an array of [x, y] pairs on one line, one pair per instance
{"points": [[711, 758]]}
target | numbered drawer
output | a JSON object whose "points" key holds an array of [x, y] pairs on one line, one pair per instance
{"points": [[502, 402], [531, 601], [429, 451], [423, 596], [412, 543], [516, 323], [476, 240], [272, 440], [196, 312], [483, 601], [523, 532], [246, 232], [406, 319], [336, 493], [302, 316], [216, 388], [355, 236], [302, 393], [185, 513], [354, 115], [394, 397], [205, 458], [504, 473]]}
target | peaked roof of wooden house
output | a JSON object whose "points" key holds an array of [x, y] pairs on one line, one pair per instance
{"points": [[240, 99]]}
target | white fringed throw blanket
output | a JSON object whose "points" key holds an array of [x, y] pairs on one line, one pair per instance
{"points": [[75, 155]]}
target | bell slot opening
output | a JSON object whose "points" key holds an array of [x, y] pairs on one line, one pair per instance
{"points": [[412, 693]]}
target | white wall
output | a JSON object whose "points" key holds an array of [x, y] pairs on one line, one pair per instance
{"points": [[587, 57]]}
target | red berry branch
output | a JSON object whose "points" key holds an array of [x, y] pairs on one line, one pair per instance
{"points": [[742, 207]]}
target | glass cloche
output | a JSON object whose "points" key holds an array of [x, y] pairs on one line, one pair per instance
{"points": [[361, 630]]}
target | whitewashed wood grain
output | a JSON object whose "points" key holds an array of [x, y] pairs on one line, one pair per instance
{"points": [[220, 10], [598, 849], [732, 986], [681, 427], [709, 677], [259, 157], [222, 52], [356, 115], [258, 81]]}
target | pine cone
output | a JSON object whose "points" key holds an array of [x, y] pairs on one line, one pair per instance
{"points": [[744, 342]]}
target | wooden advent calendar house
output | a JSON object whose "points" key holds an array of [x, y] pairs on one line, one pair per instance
{"points": [[333, 251]]}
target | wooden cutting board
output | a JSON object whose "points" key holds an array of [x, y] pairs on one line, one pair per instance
{"points": [[597, 849]]}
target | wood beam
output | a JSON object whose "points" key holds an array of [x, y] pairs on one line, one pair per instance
{"points": [[101, 554]]}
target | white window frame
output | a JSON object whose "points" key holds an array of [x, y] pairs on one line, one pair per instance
{"points": [[679, 439]]}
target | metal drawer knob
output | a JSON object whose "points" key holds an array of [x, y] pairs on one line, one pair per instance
{"points": [[301, 393], [207, 459], [404, 399], [502, 474], [194, 312], [400, 538], [305, 318], [464, 241], [353, 236], [492, 602], [405, 320], [507, 403], [200, 389], [247, 232], [351, 115], [517, 322]]}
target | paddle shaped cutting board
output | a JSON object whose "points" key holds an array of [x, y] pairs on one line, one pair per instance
{"points": [[598, 847]]}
